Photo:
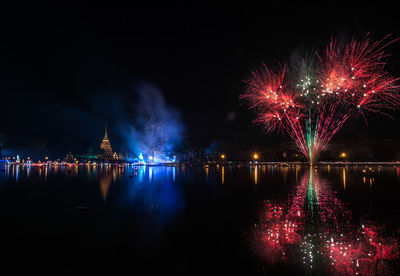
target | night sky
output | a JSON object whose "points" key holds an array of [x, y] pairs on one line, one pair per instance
{"points": [[65, 73]]}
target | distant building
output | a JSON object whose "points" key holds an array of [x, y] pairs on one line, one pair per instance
{"points": [[105, 147], [69, 158]]}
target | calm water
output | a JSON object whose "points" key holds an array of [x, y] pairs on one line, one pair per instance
{"points": [[200, 220]]}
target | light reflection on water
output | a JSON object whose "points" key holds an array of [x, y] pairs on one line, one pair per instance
{"points": [[303, 210], [314, 227], [223, 175], [256, 172]]}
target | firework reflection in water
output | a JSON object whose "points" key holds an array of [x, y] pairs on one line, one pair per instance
{"points": [[314, 228]]}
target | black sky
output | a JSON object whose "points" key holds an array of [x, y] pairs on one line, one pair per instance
{"points": [[64, 73]]}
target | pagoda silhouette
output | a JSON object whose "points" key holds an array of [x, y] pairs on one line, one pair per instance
{"points": [[105, 147]]}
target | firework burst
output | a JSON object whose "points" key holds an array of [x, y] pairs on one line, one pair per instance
{"points": [[312, 104]]}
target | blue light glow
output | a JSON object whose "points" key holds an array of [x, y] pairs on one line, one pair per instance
{"points": [[157, 129]]}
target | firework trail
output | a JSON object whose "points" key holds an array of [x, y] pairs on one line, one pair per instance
{"points": [[312, 104]]}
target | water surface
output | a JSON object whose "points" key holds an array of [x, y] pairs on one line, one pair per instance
{"points": [[192, 220]]}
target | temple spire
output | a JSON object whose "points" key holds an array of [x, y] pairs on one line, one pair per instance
{"points": [[105, 146]]}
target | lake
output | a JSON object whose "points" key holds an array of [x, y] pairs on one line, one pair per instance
{"points": [[200, 220]]}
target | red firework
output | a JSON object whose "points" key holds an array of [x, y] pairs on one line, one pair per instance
{"points": [[313, 105]]}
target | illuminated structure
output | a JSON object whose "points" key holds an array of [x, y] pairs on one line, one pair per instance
{"points": [[106, 150], [70, 158]]}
